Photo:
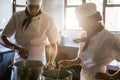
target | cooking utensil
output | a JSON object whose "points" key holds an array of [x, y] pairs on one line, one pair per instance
{"points": [[29, 70], [80, 40], [24, 62], [52, 74], [58, 73]]}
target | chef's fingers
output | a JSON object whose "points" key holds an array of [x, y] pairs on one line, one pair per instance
{"points": [[61, 62], [64, 64], [97, 76], [23, 54], [101, 75], [49, 66]]}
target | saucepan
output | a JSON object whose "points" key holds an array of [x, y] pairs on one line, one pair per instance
{"points": [[64, 74], [29, 70]]}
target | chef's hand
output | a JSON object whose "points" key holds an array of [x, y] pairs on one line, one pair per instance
{"points": [[103, 76], [65, 63], [22, 52], [50, 66]]}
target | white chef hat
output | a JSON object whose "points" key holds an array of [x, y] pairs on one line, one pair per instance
{"points": [[85, 10], [34, 2]]}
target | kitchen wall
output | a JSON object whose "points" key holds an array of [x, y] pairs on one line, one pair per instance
{"points": [[56, 9]]}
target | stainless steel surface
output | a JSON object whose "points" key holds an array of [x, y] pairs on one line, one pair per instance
{"points": [[32, 70], [52, 75], [58, 73]]}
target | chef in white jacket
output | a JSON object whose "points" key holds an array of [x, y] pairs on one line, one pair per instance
{"points": [[31, 29], [98, 46]]}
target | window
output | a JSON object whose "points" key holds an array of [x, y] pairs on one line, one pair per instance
{"points": [[19, 8], [112, 15], [74, 2], [113, 1], [21, 2], [110, 10], [71, 22], [112, 18], [18, 5], [70, 19]]}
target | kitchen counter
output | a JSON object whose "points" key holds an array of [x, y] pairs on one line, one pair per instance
{"points": [[6, 55], [4, 49]]}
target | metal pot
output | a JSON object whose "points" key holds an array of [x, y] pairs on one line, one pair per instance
{"points": [[31, 70], [52, 75]]}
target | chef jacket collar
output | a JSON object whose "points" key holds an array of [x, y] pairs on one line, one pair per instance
{"points": [[97, 35]]}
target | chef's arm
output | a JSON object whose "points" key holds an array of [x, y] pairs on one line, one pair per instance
{"points": [[53, 52], [115, 43], [116, 46], [72, 62], [116, 75], [8, 43], [76, 61], [69, 63], [52, 55], [22, 51]]}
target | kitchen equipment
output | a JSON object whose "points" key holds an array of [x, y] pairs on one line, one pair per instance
{"points": [[31, 70], [24, 62], [64, 74], [58, 73]]}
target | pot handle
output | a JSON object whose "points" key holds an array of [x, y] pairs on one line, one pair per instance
{"points": [[72, 70], [11, 66]]}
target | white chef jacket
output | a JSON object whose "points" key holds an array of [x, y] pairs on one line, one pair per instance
{"points": [[34, 37], [103, 48]]}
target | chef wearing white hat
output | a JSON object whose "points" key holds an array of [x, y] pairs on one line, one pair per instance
{"points": [[34, 2], [31, 29], [98, 46]]}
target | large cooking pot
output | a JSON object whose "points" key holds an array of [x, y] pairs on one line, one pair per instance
{"points": [[53, 74], [29, 70]]}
